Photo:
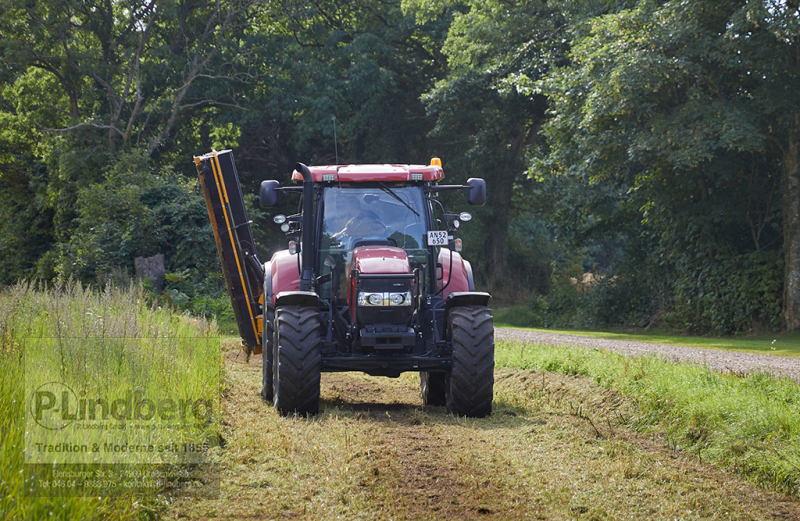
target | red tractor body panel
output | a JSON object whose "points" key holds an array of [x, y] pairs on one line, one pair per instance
{"points": [[458, 275], [285, 275], [381, 259], [362, 173]]}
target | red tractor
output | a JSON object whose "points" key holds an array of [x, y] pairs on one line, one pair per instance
{"points": [[372, 281]]}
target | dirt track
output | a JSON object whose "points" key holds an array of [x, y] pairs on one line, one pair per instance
{"points": [[726, 361], [555, 447]]}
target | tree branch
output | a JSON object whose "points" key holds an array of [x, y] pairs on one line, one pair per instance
{"points": [[93, 125], [198, 64]]}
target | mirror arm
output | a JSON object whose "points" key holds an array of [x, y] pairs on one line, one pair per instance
{"points": [[446, 188]]}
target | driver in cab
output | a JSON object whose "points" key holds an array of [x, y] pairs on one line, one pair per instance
{"points": [[357, 222]]}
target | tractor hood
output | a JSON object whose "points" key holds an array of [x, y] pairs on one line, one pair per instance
{"points": [[382, 270], [380, 259]]}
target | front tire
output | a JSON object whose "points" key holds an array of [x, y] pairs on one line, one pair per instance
{"points": [[266, 355], [297, 359], [471, 383]]}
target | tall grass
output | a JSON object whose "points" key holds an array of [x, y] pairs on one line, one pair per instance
{"points": [[80, 336], [749, 423]]}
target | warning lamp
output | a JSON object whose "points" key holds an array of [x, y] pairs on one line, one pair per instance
{"points": [[436, 162]]}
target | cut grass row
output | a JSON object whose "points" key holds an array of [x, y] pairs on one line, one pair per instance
{"points": [[750, 424]]}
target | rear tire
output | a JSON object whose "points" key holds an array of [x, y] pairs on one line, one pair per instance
{"points": [[471, 383], [266, 355], [297, 359], [432, 387]]}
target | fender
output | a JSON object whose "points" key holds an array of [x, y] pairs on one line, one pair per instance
{"points": [[266, 306], [297, 298], [467, 298], [283, 275], [460, 276], [269, 302]]}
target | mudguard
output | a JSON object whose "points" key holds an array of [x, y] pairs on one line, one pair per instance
{"points": [[468, 298], [284, 275], [244, 276], [297, 298], [459, 278]]}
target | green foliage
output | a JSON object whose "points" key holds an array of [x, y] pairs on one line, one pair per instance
{"points": [[728, 295], [29, 314], [649, 139], [201, 294], [593, 302], [721, 296], [657, 116], [137, 211]]}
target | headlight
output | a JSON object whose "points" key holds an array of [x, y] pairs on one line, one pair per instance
{"points": [[384, 299], [370, 299], [399, 299]]}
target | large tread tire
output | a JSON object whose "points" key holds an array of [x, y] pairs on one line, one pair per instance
{"points": [[433, 388], [297, 359], [471, 382], [266, 355]]}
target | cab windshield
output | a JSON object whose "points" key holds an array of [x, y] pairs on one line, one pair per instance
{"points": [[353, 217]]}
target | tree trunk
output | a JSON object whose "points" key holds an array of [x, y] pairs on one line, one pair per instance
{"points": [[791, 229]]}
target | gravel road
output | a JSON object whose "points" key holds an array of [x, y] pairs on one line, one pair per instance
{"points": [[726, 361]]}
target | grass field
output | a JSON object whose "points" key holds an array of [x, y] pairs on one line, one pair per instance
{"points": [[574, 434], [109, 344], [557, 446], [750, 424]]}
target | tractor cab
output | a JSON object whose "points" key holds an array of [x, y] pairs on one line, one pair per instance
{"points": [[380, 217]]}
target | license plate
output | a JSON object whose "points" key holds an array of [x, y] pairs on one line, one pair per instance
{"points": [[437, 238]]}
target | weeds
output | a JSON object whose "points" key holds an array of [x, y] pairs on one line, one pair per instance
{"points": [[74, 335]]}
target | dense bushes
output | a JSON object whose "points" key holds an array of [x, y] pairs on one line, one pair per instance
{"points": [[722, 296], [137, 211], [728, 294]]}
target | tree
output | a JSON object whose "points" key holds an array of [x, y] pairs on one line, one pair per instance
{"points": [[86, 83], [130, 70], [485, 109], [678, 103]]}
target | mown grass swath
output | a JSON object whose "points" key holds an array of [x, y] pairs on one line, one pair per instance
{"points": [[154, 346], [749, 423]]}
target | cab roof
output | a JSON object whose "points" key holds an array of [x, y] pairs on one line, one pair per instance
{"points": [[364, 173]]}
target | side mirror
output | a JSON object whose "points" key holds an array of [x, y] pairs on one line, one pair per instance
{"points": [[476, 193], [268, 194]]}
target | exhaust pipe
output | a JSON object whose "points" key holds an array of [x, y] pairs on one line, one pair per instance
{"points": [[307, 238]]}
